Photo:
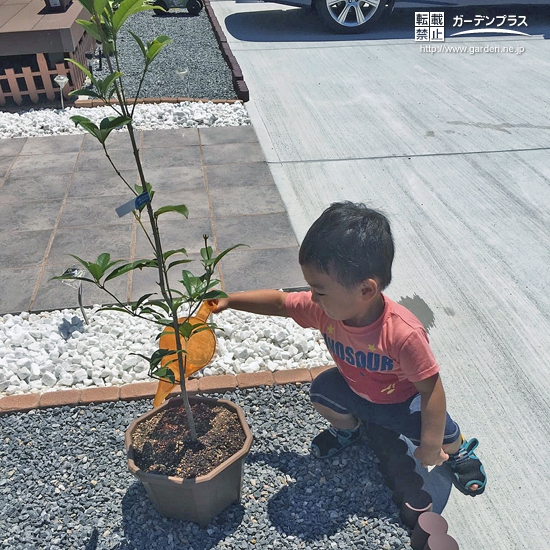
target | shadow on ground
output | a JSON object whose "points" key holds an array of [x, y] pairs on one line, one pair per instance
{"points": [[343, 492], [284, 24], [139, 536], [319, 498]]}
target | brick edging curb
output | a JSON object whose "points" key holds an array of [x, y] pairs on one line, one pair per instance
{"points": [[88, 103], [147, 390], [241, 88]]}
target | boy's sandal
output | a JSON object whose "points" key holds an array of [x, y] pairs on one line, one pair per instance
{"points": [[331, 441], [468, 469]]}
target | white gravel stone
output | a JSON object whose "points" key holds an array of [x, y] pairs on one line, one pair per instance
{"points": [[80, 375], [49, 379], [188, 114], [271, 343], [66, 379]]}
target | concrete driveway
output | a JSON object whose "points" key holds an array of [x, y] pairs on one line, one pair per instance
{"points": [[455, 148]]}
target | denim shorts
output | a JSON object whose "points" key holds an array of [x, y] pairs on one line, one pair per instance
{"points": [[331, 390]]}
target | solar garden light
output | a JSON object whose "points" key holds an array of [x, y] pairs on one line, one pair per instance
{"points": [[184, 75], [89, 57], [61, 81], [76, 272]]}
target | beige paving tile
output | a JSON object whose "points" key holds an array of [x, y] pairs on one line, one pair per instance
{"points": [[246, 200], [30, 215], [23, 248], [256, 231], [52, 145], [17, 287], [46, 164]]}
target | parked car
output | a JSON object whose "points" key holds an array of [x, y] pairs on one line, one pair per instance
{"points": [[356, 16]]}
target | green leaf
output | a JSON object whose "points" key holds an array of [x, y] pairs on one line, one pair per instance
{"points": [[212, 283], [214, 295], [91, 28], [164, 373], [88, 125], [140, 301], [139, 189], [176, 304], [127, 8], [164, 322], [182, 209], [227, 251], [178, 292], [169, 253], [207, 253], [72, 277], [88, 4], [159, 319], [104, 85], [166, 332], [155, 47], [162, 305], [186, 329], [158, 355], [81, 261], [138, 264], [95, 271], [83, 69], [104, 261], [177, 262], [190, 282], [114, 308], [100, 5], [140, 44], [111, 123], [175, 360], [107, 125], [201, 329]]}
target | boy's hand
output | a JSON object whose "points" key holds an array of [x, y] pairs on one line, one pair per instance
{"points": [[222, 304], [430, 457], [261, 302]]}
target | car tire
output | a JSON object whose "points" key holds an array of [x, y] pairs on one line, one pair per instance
{"points": [[162, 5], [351, 16], [194, 7]]}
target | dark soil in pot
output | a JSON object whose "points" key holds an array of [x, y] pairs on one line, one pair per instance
{"points": [[162, 444]]}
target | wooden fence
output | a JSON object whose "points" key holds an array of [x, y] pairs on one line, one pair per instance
{"points": [[42, 83]]}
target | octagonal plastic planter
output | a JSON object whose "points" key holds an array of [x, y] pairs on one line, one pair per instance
{"points": [[198, 499]]}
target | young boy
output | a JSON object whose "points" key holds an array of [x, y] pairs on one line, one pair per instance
{"points": [[385, 371]]}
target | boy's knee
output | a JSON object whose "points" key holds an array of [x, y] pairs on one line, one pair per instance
{"points": [[324, 380]]}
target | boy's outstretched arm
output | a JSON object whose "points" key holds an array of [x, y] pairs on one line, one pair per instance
{"points": [[263, 302], [433, 411]]}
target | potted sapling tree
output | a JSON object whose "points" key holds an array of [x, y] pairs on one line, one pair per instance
{"points": [[188, 451]]}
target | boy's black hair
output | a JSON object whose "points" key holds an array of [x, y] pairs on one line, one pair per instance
{"points": [[350, 242]]}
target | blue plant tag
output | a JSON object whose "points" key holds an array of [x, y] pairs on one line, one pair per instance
{"points": [[133, 204], [142, 199]]}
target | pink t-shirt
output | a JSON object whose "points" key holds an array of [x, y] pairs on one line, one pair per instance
{"points": [[379, 361]]}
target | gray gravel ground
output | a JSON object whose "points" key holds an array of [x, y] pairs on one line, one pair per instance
{"points": [[64, 485], [194, 47]]}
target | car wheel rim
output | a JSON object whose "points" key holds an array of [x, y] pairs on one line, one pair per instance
{"points": [[352, 13]]}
